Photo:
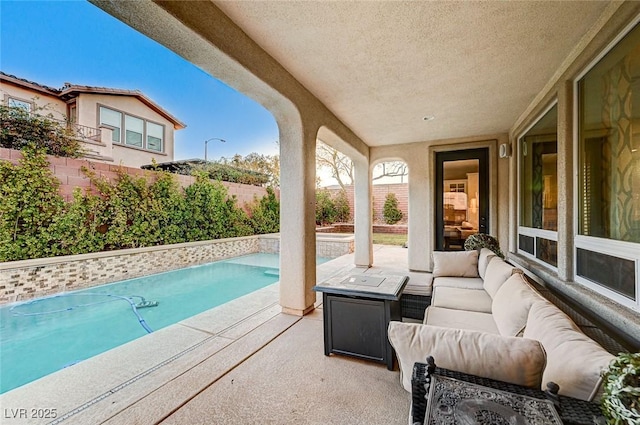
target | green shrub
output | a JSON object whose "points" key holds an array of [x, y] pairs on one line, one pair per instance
{"points": [[210, 213], [228, 173], [130, 212], [29, 205], [480, 240], [325, 207], [343, 210], [77, 229], [265, 214], [21, 129], [391, 212]]}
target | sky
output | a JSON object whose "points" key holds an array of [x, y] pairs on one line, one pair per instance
{"points": [[53, 42]]}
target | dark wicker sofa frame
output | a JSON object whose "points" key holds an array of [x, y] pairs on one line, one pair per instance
{"points": [[572, 411]]}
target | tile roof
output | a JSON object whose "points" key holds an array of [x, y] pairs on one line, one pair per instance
{"points": [[70, 91]]}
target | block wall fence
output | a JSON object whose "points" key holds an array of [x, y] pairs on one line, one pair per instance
{"points": [[69, 172], [380, 191]]}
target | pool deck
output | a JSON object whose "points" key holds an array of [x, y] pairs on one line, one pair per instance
{"points": [[241, 362]]}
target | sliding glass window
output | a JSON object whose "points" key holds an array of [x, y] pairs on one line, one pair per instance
{"points": [[608, 240], [538, 189]]}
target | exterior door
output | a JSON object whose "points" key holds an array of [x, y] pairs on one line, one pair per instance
{"points": [[462, 197]]}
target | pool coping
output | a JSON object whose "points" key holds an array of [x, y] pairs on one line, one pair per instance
{"points": [[27, 279], [109, 384]]}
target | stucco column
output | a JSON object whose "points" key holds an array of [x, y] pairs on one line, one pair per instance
{"points": [[565, 181], [297, 219], [421, 213], [363, 215]]}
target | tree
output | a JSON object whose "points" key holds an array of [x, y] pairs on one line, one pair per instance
{"points": [[21, 129], [339, 164], [265, 164], [342, 169], [391, 169], [391, 212]]}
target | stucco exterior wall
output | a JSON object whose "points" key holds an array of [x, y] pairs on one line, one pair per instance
{"points": [[44, 103], [562, 88], [211, 40], [88, 114], [420, 159], [87, 105]]}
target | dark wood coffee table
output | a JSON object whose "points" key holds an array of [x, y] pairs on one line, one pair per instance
{"points": [[357, 310]]}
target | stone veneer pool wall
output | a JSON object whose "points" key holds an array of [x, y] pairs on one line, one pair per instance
{"points": [[23, 280]]}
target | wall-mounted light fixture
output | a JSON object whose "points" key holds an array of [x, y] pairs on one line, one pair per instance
{"points": [[505, 150]]}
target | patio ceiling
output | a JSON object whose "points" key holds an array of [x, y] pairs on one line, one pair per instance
{"points": [[381, 67]]}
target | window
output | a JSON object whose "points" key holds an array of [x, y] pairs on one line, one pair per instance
{"points": [[609, 151], [538, 183], [155, 136], [608, 189], [73, 113], [134, 127], [112, 119], [17, 103], [133, 131]]}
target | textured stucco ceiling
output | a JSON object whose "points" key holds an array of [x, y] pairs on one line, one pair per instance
{"points": [[382, 66]]}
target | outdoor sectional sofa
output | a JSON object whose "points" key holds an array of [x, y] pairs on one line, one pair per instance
{"points": [[486, 320]]}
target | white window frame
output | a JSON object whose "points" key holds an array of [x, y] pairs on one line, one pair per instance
{"points": [[119, 141], [620, 249], [17, 99], [524, 230], [123, 130], [129, 120], [162, 136]]}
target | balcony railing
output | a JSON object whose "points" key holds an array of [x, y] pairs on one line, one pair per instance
{"points": [[82, 132], [85, 133]]}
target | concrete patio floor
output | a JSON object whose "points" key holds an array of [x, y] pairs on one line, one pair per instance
{"points": [[242, 362]]}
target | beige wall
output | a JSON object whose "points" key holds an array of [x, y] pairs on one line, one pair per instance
{"points": [[49, 104], [420, 159], [88, 115], [210, 40], [87, 109], [617, 18]]}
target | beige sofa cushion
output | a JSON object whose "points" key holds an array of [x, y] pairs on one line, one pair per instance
{"points": [[497, 273], [420, 283], [516, 360], [459, 282], [574, 361], [462, 299], [484, 257], [511, 305], [460, 319], [455, 264]]}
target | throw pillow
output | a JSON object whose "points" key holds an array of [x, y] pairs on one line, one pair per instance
{"points": [[511, 304], [519, 361], [497, 273], [485, 256], [455, 264]]}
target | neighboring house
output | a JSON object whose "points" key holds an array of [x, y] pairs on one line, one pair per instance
{"points": [[115, 125]]}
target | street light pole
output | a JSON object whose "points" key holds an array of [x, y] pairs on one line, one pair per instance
{"points": [[205, 146]]}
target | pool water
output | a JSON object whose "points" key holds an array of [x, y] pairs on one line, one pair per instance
{"points": [[47, 334]]}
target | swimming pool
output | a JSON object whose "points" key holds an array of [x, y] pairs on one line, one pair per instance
{"points": [[42, 336]]}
